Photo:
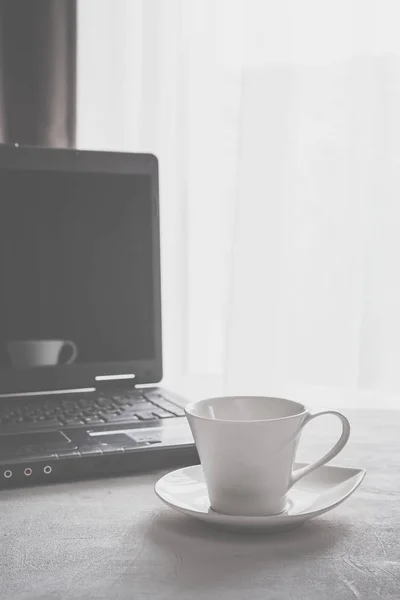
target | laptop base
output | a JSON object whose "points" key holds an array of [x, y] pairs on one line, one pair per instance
{"points": [[45, 471]]}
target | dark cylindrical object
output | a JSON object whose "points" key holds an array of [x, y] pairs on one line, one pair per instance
{"points": [[38, 72]]}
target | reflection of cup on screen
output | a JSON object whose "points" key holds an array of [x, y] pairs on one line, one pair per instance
{"points": [[39, 353]]}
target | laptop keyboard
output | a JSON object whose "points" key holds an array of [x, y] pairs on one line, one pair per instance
{"points": [[74, 410]]}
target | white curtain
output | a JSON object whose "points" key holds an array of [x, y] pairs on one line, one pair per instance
{"points": [[278, 132]]}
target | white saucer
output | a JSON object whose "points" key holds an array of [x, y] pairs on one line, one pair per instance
{"points": [[185, 491]]}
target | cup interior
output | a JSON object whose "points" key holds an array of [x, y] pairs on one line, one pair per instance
{"points": [[244, 408]]}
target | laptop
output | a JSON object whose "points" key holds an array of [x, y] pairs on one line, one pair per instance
{"points": [[80, 319]]}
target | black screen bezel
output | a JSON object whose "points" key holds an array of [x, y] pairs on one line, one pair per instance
{"points": [[88, 161]]}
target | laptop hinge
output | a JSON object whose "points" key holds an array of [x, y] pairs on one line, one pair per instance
{"points": [[106, 382]]}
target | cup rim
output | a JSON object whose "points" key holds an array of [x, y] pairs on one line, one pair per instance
{"points": [[190, 407]]}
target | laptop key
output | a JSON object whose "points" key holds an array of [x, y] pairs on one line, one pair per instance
{"points": [[163, 414], [121, 418], [176, 410], [128, 414], [146, 416]]}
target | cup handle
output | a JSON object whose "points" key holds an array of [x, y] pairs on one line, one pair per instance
{"points": [[342, 441], [74, 349]]}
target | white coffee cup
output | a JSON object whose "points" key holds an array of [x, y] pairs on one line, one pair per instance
{"points": [[39, 353], [247, 447]]}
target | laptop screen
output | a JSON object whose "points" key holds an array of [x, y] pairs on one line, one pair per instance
{"points": [[76, 277]]}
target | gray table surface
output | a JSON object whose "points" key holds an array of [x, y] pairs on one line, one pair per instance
{"points": [[113, 538]]}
